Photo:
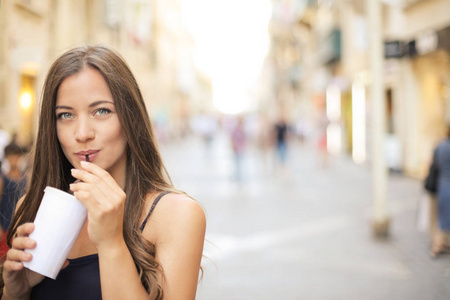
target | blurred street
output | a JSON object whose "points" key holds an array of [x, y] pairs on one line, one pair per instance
{"points": [[352, 88], [304, 232]]}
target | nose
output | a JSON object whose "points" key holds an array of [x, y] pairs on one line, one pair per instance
{"points": [[84, 130]]}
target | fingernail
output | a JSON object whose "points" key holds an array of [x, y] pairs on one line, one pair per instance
{"points": [[84, 163], [74, 171]]}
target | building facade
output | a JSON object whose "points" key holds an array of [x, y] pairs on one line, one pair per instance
{"points": [[336, 74], [148, 33]]}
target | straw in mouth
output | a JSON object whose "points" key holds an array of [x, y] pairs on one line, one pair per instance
{"points": [[87, 157]]}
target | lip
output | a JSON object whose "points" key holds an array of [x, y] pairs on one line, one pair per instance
{"points": [[81, 155]]}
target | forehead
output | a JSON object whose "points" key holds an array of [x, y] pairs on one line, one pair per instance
{"points": [[87, 85]]}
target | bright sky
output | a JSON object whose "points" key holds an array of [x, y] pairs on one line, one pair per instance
{"points": [[231, 42]]}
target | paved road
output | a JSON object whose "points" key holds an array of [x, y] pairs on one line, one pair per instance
{"points": [[304, 233]]}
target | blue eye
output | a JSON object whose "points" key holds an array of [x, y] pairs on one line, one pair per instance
{"points": [[64, 116], [102, 111]]}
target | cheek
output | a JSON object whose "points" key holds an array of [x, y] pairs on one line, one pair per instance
{"points": [[120, 142], [116, 136], [62, 138]]}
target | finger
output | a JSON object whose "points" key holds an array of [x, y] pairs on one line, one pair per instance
{"points": [[18, 255], [25, 229], [85, 197], [94, 169], [102, 192], [84, 176], [80, 186], [9, 265], [101, 173], [23, 243], [97, 203], [92, 191]]}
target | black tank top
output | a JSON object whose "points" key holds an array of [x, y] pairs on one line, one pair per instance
{"points": [[80, 279]]}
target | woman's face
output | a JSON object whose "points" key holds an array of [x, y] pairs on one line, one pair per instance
{"points": [[87, 123]]}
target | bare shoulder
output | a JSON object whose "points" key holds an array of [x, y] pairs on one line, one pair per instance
{"points": [[178, 205], [175, 213]]}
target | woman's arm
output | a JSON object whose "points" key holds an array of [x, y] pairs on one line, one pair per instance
{"points": [[177, 227], [104, 201], [178, 224], [119, 276]]}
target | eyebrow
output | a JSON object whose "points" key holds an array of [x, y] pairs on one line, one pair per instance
{"points": [[90, 105]]}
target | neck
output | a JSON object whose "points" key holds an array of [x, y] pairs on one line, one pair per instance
{"points": [[14, 174]]}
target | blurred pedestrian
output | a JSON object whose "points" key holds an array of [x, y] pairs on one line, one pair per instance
{"points": [[95, 139], [441, 159], [238, 142], [15, 163], [12, 187], [281, 129]]}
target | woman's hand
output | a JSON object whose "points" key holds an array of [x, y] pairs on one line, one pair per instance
{"points": [[18, 279], [104, 200]]}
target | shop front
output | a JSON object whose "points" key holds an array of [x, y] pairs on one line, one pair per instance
{"points": [[429, 56]]}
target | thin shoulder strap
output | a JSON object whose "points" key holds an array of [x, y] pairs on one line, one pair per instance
{"points": [[152, 208]]}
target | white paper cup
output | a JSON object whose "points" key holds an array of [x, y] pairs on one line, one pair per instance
{"points": [[57, 225]]}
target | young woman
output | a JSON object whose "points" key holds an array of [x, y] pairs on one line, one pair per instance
{"points": [[142, 239]]}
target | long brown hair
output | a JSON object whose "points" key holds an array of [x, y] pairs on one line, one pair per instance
{"points": [[145, 170]]}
